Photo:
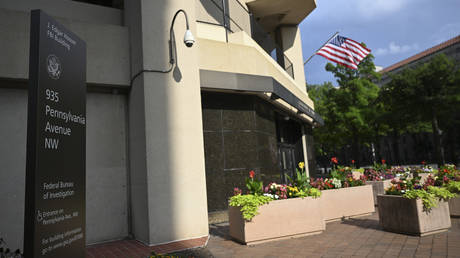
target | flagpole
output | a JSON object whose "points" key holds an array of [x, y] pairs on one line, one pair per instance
{"points": [[320, 47]]}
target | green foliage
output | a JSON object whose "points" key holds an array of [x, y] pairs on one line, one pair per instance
{"points": [[360, 170], [254, 186], [454, 186], [338, 175], [381, 167], [249, 204], [421, 99], [301, 181], [349, 111], [430, 197], [315, 193], [429, 200], [341, 173], [294, 192], [441, 192], [424, 99]]}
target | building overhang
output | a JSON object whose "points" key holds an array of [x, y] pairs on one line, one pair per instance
{"points": [[216, 80], [274, 13]]}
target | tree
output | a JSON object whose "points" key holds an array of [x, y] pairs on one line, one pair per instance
{"points": [[427, 93], [399, 114], [355, 104], [326, 138]]}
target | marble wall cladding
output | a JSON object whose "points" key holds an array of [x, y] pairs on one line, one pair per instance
{"points": [[239, 136], [240, 150], [215, 180], [212, 119], [213, 146]]}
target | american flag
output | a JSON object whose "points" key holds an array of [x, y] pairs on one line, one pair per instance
{"points": [[344, 51]]}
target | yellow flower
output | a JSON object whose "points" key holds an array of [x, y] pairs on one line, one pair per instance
{"points": [[301, 165]]}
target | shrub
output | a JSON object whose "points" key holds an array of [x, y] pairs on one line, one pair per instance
{"points": [[249, 204]]}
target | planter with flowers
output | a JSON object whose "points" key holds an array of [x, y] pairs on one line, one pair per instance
{"points": [[454, 203], [423, 172], [412, 208], [275, 212], [448, 176], [379, 177], [343, 195]]}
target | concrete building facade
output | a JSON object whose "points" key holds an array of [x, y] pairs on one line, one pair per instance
{"points": [[165, 149]]}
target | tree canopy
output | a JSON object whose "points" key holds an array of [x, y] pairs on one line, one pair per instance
{"points": [[349, 110], [357, 113]]}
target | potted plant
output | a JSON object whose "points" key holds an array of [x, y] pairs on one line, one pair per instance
{"points": [[275, 212], [343, 195], [454, 203], [412, 208], [423, 172], [449, 177], [379, 177]]}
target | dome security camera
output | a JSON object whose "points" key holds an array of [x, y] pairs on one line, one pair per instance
{"points": [[188, 38]]}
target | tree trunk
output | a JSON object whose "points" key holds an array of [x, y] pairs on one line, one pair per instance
{"points": [[438, 150]]}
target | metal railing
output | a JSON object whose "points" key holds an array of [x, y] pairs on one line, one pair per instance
{"points": [[234, 17]]}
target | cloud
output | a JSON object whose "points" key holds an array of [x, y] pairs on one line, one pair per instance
{"points": [[394, 49], [370, 9]]}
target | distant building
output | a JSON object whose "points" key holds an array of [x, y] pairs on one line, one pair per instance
{"points": [[450, 48]]}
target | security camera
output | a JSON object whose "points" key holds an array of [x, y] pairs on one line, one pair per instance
{"points": [[188, 38]]}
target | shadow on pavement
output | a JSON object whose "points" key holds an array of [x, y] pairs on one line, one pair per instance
{"points": [[362, 223], [220, 230]]}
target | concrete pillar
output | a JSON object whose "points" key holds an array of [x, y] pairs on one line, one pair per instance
{"points": [[167, 174], [292, 47], [305, 150]]}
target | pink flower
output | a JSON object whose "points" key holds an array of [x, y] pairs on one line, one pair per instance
{"points": [[252, 173], [236, 191]]}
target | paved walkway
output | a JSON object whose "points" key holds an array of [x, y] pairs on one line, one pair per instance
{"points": [[358, 237]]}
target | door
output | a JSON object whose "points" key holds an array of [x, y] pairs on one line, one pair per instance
{"points": [[286, 161]]}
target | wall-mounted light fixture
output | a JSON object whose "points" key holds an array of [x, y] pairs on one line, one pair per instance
{"points": [[189, 40]]}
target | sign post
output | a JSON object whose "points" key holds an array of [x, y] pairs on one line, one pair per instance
{"points": [[56, 148]]}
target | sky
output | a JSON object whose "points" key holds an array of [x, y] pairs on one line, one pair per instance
{"points": [[393, 29]]}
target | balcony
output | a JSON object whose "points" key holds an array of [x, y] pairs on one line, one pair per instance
{"points": [[273, 13], [234, 17]]}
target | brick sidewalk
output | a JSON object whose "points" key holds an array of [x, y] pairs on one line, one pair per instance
{"points": [[359, 237]]}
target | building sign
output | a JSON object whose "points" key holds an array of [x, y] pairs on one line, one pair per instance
{"points": [[56, 149]]}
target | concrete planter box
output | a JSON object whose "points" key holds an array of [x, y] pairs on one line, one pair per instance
{"points": [[347, 202], [378, 187], [402, 215], [454, 207], [278, 220]]}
